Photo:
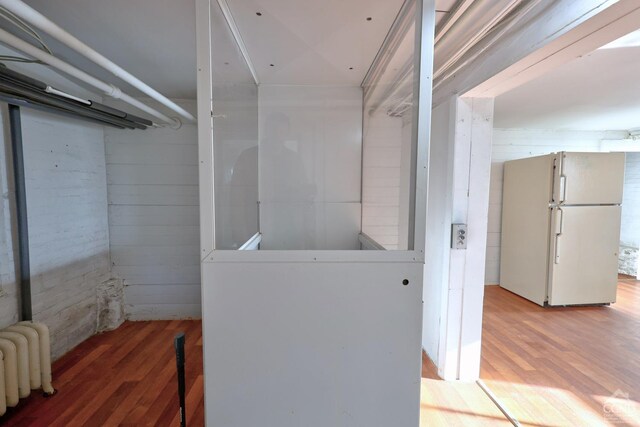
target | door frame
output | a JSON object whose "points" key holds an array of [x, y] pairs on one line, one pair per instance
{"points": [[562, 32]]}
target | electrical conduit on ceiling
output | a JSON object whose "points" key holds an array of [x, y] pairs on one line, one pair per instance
{"points": [[35, 18], [106, 88]]}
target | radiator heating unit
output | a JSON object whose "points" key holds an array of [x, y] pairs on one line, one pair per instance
{"points": [[25, 362]]}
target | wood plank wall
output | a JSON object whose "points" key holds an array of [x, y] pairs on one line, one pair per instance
{"points": [[152, 180]]}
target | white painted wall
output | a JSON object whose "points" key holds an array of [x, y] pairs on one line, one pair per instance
{"points": [[152, 178], [510, 144], [630, 221], [310, 162], [68, 228], [630, 227]]}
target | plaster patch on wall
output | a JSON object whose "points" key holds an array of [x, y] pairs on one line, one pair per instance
{"points": [[628, 260]]}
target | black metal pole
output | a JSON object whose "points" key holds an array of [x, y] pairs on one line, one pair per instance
{"points": [[178, 343], [21, 210]]}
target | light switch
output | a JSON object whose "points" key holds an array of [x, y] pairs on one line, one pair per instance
{"points": [[458, 236]]}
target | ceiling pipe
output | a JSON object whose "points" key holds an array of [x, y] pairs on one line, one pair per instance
{"points": [[468, 29], [106, 88], [32, 16]]}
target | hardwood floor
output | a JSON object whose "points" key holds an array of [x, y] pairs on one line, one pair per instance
{"points": [[446, 403], [125, 377], [562, 366], [549, 367]]}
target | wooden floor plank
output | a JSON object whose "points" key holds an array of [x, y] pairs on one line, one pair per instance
{"points": [[578, 358]]}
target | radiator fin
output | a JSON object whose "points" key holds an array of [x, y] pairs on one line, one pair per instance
{"points": [[25, 362]]}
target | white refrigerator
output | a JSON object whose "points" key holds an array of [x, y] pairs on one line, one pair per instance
{"points": [[561, 227]]}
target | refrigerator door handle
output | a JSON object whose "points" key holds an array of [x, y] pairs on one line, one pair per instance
{"points": [[563, 188], [558, 232], [558, 221]]}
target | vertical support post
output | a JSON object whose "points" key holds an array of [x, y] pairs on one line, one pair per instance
{"points": [[206, 170], [21, 209], [477, 211], [421, 132], [470, 172], [178, 344]]}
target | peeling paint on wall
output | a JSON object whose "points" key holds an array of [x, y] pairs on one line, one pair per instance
{"points": [[628, 260], [110, 297]]}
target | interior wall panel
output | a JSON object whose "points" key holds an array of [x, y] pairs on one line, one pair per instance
{"points": [[152, 178], [630, 224], [630, 231]]}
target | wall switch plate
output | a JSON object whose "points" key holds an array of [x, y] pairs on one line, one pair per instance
{"points": [[458, 236]]}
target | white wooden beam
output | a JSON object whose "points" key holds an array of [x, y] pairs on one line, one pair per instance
{"points": [[612, 23], [550, 20]]}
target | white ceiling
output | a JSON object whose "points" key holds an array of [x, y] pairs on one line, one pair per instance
{"points": [[599, 91], [315, 42], [308, 41]]}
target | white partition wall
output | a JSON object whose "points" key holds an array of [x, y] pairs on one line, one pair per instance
{"points": [[306, 328]]}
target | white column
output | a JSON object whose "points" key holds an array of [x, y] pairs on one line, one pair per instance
{"points": [[458, 193], [477, 207]]}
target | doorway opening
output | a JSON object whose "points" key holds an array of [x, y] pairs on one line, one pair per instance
{"points": [[552, 358]]}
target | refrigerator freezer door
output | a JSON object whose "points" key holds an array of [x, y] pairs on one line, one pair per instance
{"points": [[584, 255], [589, 178], [524, 252]]}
